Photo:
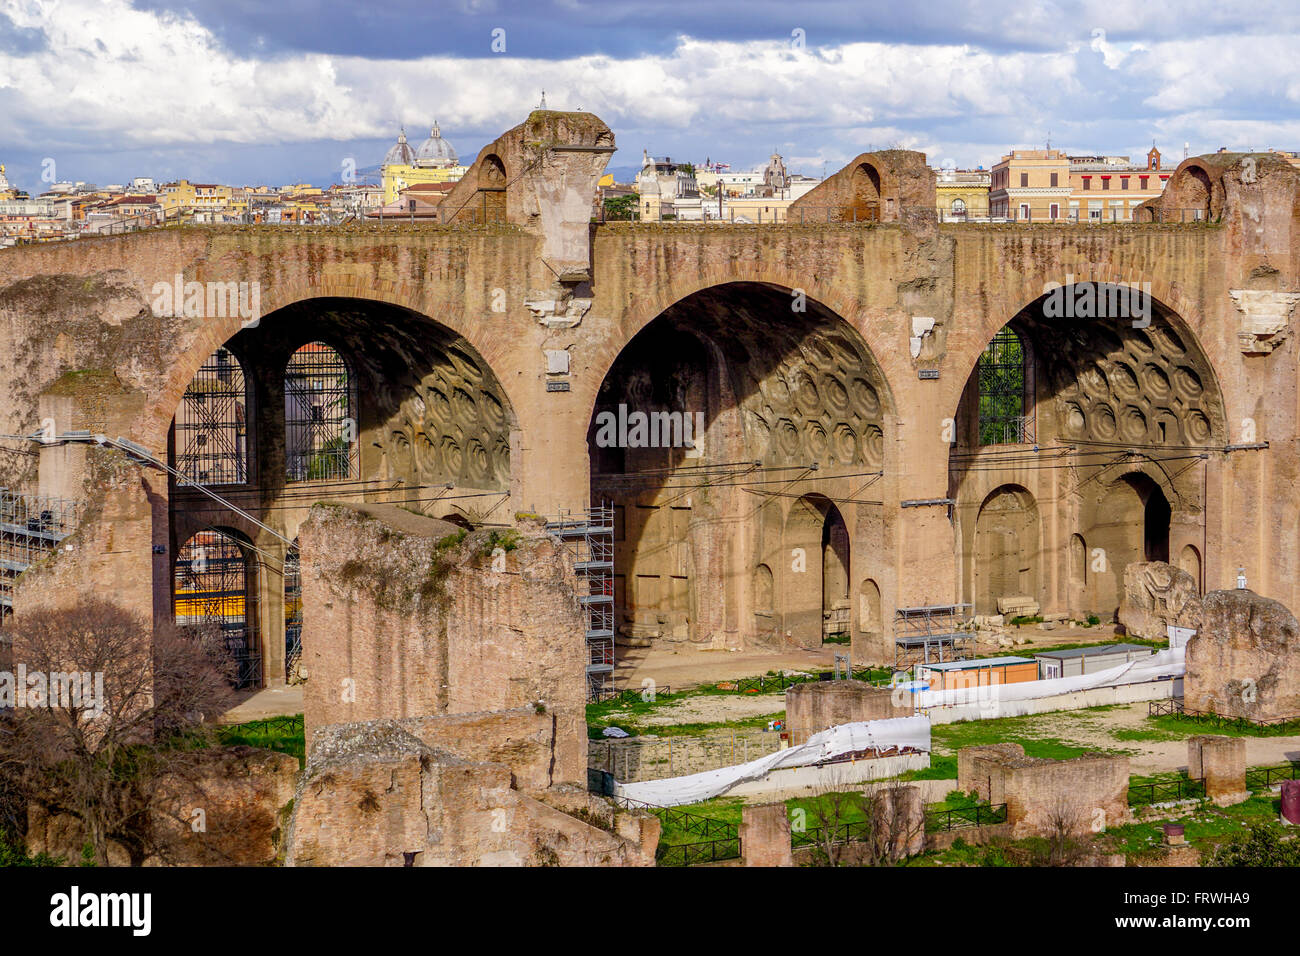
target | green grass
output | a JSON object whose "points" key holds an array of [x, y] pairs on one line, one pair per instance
{"points": [[962, 853], [757, 722], [283, 740], [1205, 829], [942, 767], [1183, 726]]}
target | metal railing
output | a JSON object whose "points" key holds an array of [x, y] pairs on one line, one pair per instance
{"points": [[720, 839], [1175, 706], [957, 818], [285, 724], [1162, 791], [692, 854], [855, 831], [1265, 778]]}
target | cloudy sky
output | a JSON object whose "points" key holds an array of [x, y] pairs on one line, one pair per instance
{"points": [[245, 91]]}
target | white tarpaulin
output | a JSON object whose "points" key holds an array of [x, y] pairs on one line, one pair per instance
{"points": [[1170, 663], [913, 732]]}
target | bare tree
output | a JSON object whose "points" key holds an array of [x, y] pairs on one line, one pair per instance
{"points": [[107, 702], [895, 828], [872, 826], [834, 809]]}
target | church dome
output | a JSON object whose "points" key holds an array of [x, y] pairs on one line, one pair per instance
{"points": [[435, 151], [401, 153]]}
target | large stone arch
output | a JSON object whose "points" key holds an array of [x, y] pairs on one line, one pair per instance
{"points": [[206, 336], [434, 428], [778, 391], [816, 291], [1127, 392]]}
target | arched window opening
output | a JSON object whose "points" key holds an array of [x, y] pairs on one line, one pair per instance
{"points": [[1155, 520], [320, 430], [292, 616], [215, 589], [835, 579], [1002, 379], [959, 207], [210, 431]]}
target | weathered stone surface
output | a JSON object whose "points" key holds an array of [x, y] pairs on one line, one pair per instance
{"points": [[375, 795], [1048, 796], [873, 187], [765, 835], [1221, 761], [1156, 595], [1017, 605], [405, 616], [226, 808], [885, 303], [817, 705], [1245, 660], [509, 182]]}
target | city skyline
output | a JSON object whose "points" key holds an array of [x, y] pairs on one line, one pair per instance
{"points": [[275, 102]]}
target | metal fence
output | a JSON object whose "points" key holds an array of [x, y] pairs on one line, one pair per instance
{"points": [[1115, 216], [855, 831], [1264, 778], [956, 818], [692, 854], [287, 724], [1162, 791], [1175, 707], [707, 827]]}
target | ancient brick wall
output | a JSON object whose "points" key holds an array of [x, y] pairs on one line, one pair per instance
{"points": [[765, 835], [1221, 762], [405, 616], [981, 770], [1078, 795], [920, 299], [374, 795], [817, 705]]}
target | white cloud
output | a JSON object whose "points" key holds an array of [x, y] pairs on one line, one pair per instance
{"points": [[112, 77]]}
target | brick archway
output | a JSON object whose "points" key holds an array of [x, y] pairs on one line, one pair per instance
{"points": [[151, 427]]}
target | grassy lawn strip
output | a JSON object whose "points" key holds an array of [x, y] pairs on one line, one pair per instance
{"points": [[255, 734], [1181, 726]]}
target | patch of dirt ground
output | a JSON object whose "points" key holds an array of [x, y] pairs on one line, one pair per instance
{"points": [[708, 709]]}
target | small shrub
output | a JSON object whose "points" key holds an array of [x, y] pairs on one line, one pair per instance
{"points": [[1264, 846]]}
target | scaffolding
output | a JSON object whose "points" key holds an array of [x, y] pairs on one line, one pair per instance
{"points": [[590, 533], [31, 527], [930, 635]]}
